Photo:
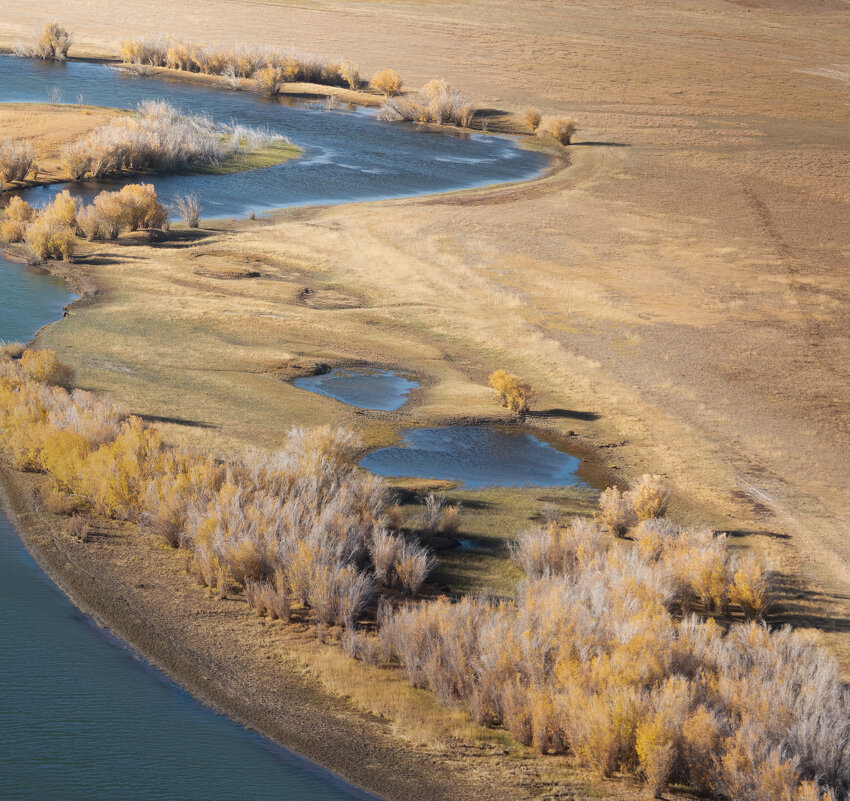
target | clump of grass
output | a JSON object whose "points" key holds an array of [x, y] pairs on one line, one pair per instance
{"points": [[387, 82], [52, 43], [561, 129], [515, 394]]}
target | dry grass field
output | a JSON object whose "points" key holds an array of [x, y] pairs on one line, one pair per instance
{"points": [[678, 292]]}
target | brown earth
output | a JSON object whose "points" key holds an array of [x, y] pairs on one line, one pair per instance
{"points": [[685, 278], [48, 128]]}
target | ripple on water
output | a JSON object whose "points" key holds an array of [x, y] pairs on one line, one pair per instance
{"points": [[478, 456]]}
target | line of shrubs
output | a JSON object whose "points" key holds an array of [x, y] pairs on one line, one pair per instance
{"points": [[52, 232], [302, 524]]}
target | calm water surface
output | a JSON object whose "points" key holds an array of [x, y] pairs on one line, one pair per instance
{"points": [[28, 300], [367, 389], [348, 155], [477, 456]]}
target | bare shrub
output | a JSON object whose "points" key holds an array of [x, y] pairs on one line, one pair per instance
{"points": [[160, 138], [388, 82], [554, 550], [413, 564], [650, 496], [532, 119], [385, 551], [89, 222], [269, 80], [516, 395], [269, 598], [431, 515], [560, 129], [616, 512], [189, 208], [17, 161], [52, 43], [436, 103], [752, 585], [111, 212]]}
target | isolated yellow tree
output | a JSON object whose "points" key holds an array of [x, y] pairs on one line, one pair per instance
{"points": [[515, 393]]}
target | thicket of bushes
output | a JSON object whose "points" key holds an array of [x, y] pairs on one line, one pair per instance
{"points": [[599, 655], [594, 659], [301, 524], [52, 232], [160, 138], [52, 43], [437, 103]]}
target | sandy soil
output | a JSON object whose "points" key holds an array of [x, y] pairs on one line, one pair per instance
{"points": [[48, 128], [685, 279]]}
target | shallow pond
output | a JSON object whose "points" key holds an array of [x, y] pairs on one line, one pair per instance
{"points": [[367, 389], [348, 155], [477, 456]]}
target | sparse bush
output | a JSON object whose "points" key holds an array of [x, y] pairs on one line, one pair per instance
{"points": [[388, 82], [554, 550], [450, 519], [516, 395], [189, 208], [650, 496], [159, 139], [616, 512], [385, 551], [432, 513], [351, 75], [269, 80], [752, 586], [560, 129], [413, 564], [111, 212], [532, 119], [89, 222], [52, 43], [17, 161], [437, 103], [11, 350]]}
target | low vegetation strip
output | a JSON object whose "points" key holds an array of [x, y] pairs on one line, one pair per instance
{"points": [[599, 656], [161, 138]]}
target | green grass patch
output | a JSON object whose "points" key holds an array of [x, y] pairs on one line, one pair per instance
{"points": [[253, 160]]}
